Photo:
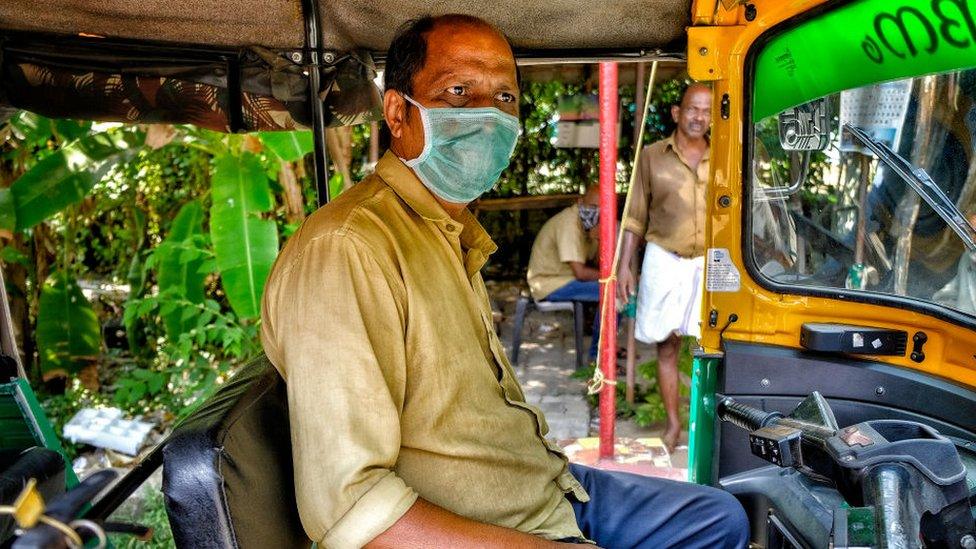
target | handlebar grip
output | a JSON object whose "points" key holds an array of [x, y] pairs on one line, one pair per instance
{"points": [[743, 415]]}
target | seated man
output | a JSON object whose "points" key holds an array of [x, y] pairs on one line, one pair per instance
{"points": [[559, 267], [408, 426]]}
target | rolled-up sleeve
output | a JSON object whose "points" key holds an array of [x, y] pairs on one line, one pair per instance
{"points": [[635, 219], [336, 330]]}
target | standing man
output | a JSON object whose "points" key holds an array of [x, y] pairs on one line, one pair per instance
{"points": [[408, 426], [560, 266], [667, 212]]}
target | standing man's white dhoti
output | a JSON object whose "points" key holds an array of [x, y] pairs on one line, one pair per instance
{"points": [[670, 295]]}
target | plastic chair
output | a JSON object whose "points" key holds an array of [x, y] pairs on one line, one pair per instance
{"points": [[525, 304]]}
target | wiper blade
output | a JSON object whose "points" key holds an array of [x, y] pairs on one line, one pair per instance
{"points": [[918, 179]]}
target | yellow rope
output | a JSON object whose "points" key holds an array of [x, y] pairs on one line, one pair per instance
{"points": [[599, 380]]}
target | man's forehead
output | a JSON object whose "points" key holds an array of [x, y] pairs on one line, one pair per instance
{"points": [[451, 48], [697, 93]]}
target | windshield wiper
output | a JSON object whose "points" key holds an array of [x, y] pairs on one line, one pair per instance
{"points": [[918, 179]]}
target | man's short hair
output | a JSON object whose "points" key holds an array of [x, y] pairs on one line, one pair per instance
{"points": [[408, 50]]}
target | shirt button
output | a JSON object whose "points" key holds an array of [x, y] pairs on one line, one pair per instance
{"points": [[450, 227]]}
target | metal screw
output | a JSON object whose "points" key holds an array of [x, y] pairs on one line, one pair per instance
{"points": [[703, 51], [725, 201], [764, 382], [296, 56], [968, 542], [879, 391], [328, 57]]}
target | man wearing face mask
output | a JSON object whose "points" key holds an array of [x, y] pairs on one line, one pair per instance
{"points": [[667, 213], [408, 426], [559, 266]]}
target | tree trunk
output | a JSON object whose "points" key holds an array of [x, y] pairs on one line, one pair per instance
{"points": [[291, 192]]}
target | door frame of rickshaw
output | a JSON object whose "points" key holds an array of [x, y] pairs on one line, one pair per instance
{"points": [[761, 312]]}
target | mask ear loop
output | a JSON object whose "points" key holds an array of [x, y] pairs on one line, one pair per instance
{"points": [[425, 121]]}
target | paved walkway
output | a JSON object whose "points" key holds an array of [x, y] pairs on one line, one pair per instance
{"points": [[547, 361]]}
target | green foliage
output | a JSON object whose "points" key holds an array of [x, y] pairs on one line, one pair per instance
{"points": [[8, 211], [245, 244], [68, 332], [66, 176], [182, 263], [648, 408], [151, 513], [288, 146]]}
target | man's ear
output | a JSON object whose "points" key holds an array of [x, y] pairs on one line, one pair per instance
{"points": [[395, 112], [675, 112]]}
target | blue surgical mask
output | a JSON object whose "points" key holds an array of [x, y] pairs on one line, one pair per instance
{"points": [[465, 150]]}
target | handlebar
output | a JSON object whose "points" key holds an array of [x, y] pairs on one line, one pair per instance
{"points": [[882, 465], [744, 416]]}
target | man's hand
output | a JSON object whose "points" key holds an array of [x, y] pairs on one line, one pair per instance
{"points": [[626, 280], [427, 525], [626, 283]]}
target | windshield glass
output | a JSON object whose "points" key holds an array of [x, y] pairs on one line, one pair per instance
{"points": [[825, 211]]}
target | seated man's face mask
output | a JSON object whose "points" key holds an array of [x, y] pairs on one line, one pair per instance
{"points": [[465, 150], [589, 216]]}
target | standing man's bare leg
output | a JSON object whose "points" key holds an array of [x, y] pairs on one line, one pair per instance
{"points": [[667, 382]]}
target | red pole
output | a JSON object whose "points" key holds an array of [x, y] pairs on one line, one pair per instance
{"points": [[608, 233]]}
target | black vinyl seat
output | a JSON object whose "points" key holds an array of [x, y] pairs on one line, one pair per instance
{"points": [[227, 468]]}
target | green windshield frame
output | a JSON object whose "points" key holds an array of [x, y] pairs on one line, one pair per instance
{"points": [[878, 41]]}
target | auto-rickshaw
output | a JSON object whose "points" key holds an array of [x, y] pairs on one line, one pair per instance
{"points": [[835, 389]]}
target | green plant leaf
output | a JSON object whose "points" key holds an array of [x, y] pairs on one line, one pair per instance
{"points": [[8, 211], [66, 176], [288, 146], [245, 245], [178, 262], [68, 334]]}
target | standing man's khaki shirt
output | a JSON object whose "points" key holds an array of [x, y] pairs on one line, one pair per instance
{"points": [[562, 239], [667, 204], [376, 315]]}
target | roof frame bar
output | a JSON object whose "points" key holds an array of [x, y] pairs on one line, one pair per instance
{"points": [[313, 44]]}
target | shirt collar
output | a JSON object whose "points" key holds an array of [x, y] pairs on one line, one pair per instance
{"points": [[418, 198], [671, 144]]}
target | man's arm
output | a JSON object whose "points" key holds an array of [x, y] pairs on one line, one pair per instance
{"points": [[583, 272], [626, 279], [634, 225], [427, 525]]}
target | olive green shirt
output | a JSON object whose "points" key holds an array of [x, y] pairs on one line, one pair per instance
{"points": [[667, 203], [560, 241], [377, 317]]}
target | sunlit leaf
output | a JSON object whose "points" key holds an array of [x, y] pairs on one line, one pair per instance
{"points": [[245, 245], [288, 146], [66, 176]]}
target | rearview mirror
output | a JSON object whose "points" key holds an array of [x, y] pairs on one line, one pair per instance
{"points": [[805, 127]]}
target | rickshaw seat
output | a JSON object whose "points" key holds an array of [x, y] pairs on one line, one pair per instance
{"points": [[227, 469]]}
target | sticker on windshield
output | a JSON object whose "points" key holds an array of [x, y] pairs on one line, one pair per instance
{"points": [[720, 273]]}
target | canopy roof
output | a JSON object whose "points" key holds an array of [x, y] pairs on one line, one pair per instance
{"points": [[239, 65], [356, 24]]}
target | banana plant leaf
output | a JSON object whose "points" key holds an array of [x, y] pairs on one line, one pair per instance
{"points": [[245, 245], [180, 261], [8, 211], [68, 334], [64, 177], [288, 146]]}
